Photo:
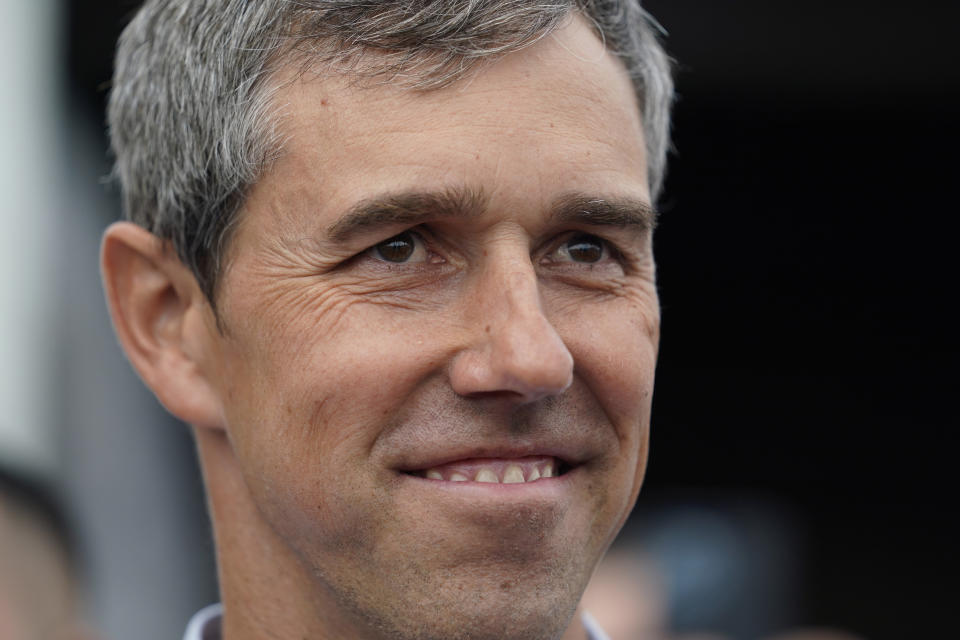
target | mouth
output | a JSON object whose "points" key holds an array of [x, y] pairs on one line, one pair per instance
{"points": [[524, 470]]}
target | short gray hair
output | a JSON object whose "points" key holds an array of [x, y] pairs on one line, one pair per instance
{"points": [[191, 123]]}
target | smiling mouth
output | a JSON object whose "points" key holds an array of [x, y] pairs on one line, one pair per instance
{"points": [[496, 470]]}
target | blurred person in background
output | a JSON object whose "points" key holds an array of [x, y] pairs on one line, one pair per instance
{"points": [[722, 570], [39, 586], [393, 262]]}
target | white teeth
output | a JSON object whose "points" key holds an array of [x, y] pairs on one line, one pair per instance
{"points": [[485, 475], [513, 475]]}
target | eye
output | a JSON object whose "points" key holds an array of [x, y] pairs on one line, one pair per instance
{"points": [[584, 248], [404, 247]]}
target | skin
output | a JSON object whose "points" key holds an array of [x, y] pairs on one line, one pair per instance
{"points": [[331, 375]]}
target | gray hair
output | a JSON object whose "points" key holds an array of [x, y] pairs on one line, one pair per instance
{"points": [[191, 123]]}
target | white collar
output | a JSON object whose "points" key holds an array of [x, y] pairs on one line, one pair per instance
{"points": [[205, 624]]}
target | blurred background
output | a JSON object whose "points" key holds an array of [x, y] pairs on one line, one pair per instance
{"points": [[804, 433]]}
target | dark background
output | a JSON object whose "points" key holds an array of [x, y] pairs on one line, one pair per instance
{"points": [[807, 273]]}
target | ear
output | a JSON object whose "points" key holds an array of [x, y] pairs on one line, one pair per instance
{"points": [[163, 321]]}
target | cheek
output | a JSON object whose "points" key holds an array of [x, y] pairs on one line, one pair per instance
{"points": [[310, 394], [614, 345], [316, 398]]}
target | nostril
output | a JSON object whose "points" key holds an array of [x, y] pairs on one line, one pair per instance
{"points": [[495, 395]]}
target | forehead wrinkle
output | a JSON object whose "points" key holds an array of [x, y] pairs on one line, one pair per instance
{"points": [[408, 208]]}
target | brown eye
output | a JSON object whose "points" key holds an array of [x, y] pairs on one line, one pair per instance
{"points": [[583, 248], [399, 248]]}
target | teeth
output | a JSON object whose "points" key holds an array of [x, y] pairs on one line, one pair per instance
{"points": [[513, 475], [485, 475], [506, 472]]}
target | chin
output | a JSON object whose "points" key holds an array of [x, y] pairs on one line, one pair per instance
{"points": [[476, 604], [532, 615]]}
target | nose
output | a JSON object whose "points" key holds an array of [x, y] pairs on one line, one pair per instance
{"points": [[514, 350]]}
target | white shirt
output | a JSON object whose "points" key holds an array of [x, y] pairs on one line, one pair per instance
{"points": [[205, 625]]}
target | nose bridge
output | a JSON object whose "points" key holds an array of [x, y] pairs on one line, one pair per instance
{"points": [[520, 350], [517, 291]]}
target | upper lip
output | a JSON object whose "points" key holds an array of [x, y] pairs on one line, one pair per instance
{"points": [[567, 452]]}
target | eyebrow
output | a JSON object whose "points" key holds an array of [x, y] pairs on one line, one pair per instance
{"points": [[617, 211], [413, 208], [408, 209]]}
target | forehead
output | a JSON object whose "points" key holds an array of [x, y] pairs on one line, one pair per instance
{"points": [[558, 116]]}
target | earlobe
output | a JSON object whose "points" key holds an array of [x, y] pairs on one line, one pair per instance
{"points": [[163, 322]]}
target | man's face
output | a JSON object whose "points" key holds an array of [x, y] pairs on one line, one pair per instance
{"points": [[432, 287]]}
